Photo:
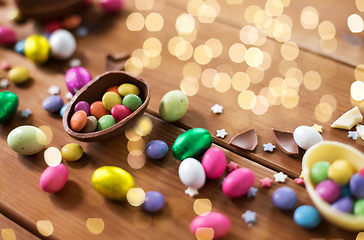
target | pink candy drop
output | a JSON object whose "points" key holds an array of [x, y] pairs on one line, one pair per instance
{"points": [[54, 178], [238, 182], [7, 36], [217, 221], [214, 162]]}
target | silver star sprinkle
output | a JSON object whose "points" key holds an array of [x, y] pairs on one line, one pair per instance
{"points": [[352, 135], [74, 62], [53, 90], [217, 108], [249, 216], [252, 192], [269, 147], [69, 96], [280, 177], [4, 83], [221, 133], [25, 113]]}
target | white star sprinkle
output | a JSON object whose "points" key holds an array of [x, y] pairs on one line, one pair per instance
{"points": [[352, 135], [53, 90], [252, 192], [69, 96], [280, 177], [4, 83], [74, 62], [217, 108], [25, 113], [221, 133], [269, 147], [249, 216]]}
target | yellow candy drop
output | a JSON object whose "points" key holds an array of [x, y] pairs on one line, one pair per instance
{"points": [[128, 88], [110, 99], [340, 171], [19, 75], [36, 48], [112, 182], [72, 152]]}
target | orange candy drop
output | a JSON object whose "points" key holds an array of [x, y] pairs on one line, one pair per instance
{"points": [[78, 120]]}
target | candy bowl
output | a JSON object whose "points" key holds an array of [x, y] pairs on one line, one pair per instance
{"points": [[94, 91], [330, 151]]}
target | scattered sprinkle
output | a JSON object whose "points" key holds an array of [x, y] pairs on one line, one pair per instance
{"points": [[352, 135], [252, 192], [4, 83], [82, 31], [221, 133], [265, 182], [280, 177], [249, 216], [317, 127], [301, 175], [269, 147], [69, 96], [25, 113], [53, 90], [74, 62], [299, 181], [217, 108], [5, 65], [232, 166]]}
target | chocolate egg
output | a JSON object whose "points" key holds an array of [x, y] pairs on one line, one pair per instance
{"points": [[8, 105], [62, 43], [27, 140], [76, 78], [173, 106], [36, 48]]}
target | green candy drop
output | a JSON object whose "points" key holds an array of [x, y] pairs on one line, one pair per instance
{"points": [[192, 143], [8, 105], [105, 122], [318, 171], [359, 207]]}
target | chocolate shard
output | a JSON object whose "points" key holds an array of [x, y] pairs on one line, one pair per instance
{"points": [[116, 61], [285, 141], [247, 140]]}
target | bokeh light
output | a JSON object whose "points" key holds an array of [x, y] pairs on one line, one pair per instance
{"points": [[328, 46], [309, 17], [143, 126], [135, 22], [357, 90], [322, 112], [152, 47], [144, 4], [154, 22], [290, 98], [285, 65], [254, 57], [312, 80], [207, 13], [136, 145], [355, 23], [207, 77], [222, 82], [8, 234], [202, 54], [250, 12], [328, 68], [192, 69], [136, 159], [202, 206], [359, 72], [215, 45], [289, 50], [204, 233], [131, 134], [142, 220], [134, 66], [240, 81], [294, 73], [331, 100], [259, 105], [245, 99], [274, 7], [360, 5], [327, 30], [193, 6], [45, 228], [52, 156], [48, 132], [183, 50], [185, 23], [237, 52], [177, 205], [189, 86], [135, 196], [267, 61], [95, 225], [255, 74]]}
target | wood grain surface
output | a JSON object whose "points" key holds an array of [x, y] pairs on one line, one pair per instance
{"points": [[23, 201]]}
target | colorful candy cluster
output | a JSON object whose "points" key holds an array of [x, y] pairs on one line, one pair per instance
{"points": [[117, 103], [338, 184]]}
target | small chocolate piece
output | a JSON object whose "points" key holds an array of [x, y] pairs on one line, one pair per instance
{"points": [[247, 140], [285, 141], [116, 61]]}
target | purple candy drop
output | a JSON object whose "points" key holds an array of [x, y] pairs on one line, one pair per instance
{"points": [[344, 204], [357, 185], [154, 201], [82, 105]]}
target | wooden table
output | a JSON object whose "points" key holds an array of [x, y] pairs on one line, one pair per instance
{"points": [[69, 214]]}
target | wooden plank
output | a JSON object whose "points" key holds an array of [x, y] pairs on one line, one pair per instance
{"points": [[11, 230]]}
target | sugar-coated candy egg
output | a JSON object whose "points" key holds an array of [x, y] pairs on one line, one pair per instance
{"points": [[91, 125], [53, 103], [111, 6], [238, 182], [52, 26], [173, 106], [318, 171], [192, 175], [7, 36], [19, 47], [219, 222], [306, 137], [98, 110], [359, 207], [132, 101], [156, 149], [112, 182], [357, 185], [307, 216], [63, 109], [340, 171], [78, 120], [18, 75], [113, 89], [110, 99], [328, 190], [192, 143], [9, 103], [128, 88], [71, 21], [76, 78], [37, 48], [344, 204], [62, 44], [214, 162], [72, 152], [284, 198], [27, 140], [119, 112], [83, 105], [105, 122], [154, 201], [54, 178]]}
